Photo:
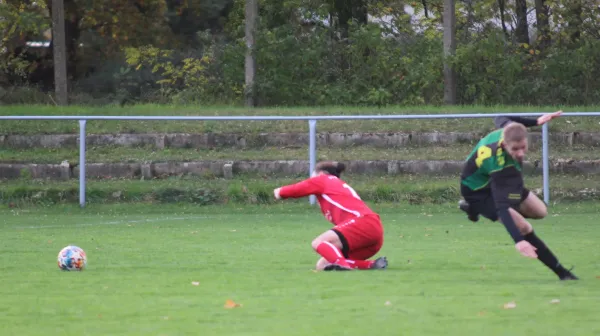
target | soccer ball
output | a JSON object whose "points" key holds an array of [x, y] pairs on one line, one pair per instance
{"points": [[72, 258]]}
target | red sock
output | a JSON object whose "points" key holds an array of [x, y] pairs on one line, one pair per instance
{"points": [[360, 264], [332, 254]]}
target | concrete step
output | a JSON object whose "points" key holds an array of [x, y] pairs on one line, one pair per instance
{"points": [[256, 140], [228, 169]]}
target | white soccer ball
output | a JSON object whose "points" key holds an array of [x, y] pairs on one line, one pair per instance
{"points": [[72, 258]]}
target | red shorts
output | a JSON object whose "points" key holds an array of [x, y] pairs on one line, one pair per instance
{"points": [[361, 237]]}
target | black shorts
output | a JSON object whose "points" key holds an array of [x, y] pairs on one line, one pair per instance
{"points": [[482, 202]]}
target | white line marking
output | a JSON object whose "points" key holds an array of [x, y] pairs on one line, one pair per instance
{"points": [[112, 223]]}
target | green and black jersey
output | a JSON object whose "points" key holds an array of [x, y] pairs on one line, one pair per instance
{"points": [[489, 167], [490, 171]]}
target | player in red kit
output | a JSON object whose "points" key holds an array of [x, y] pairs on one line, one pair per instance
{"points": [[357, 233]]}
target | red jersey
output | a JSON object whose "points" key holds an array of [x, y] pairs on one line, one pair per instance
{"points": [[339, 202]]}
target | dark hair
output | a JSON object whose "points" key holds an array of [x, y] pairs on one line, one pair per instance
{"points": [[331, 168]]}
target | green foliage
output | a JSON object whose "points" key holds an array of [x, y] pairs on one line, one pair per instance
{"points": [[311, 52], [19, 21], [494, 71]]}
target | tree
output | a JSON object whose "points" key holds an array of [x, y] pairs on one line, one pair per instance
{"points": [[542, 15], [348, 10], [60, 52], [449, 50], [522, 29], [250, 61], [502, 8], [574, 19], [21, 21]]}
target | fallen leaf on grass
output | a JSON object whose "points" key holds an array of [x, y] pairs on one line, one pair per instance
{"points": [[510, 305], [481, 313], [555, 301], [230, 304], [195, 283], [597, 276]]}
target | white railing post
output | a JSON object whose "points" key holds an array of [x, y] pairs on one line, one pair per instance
{"points": [[546, 164], [312, 151], [82, 163]]}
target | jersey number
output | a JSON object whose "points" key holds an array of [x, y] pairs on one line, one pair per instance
{"points": [[354, 194], [499, 156], [485, 152]]}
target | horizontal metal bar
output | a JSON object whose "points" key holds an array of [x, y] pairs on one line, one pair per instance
{"points": [[336, 117]]}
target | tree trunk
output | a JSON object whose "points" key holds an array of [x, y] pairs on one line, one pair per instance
{"points": [[542, 15], [347, 10], [59, 52], [522, 29], [574, 19], [426, 11], [502, 7], [250, 61], [449, 18]]}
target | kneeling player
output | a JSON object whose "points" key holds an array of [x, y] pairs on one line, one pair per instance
{"points": [[492, 186], [357, 233]]}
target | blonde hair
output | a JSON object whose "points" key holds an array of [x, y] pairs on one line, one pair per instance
{"points": [[514, 132]]}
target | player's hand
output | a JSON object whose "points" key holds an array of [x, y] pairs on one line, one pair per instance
{"points": [[547, 117], [526, 249], [276, 193]]}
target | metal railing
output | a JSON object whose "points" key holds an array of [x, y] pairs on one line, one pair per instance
{"points": [[312, 127]]}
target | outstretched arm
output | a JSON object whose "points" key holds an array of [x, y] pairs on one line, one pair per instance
{"points": [[503, 188], [502, 121], [311, 186]]}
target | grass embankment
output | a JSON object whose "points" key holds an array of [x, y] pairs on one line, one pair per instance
{"points": [[566, 124], [258, 190]]}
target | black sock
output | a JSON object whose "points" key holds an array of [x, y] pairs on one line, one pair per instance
{"points": [[544, 254]]}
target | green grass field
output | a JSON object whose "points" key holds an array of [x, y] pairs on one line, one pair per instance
{"points": [[447, 276]]}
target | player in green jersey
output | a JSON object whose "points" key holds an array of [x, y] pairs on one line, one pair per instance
{"points": [[492, 186]]}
